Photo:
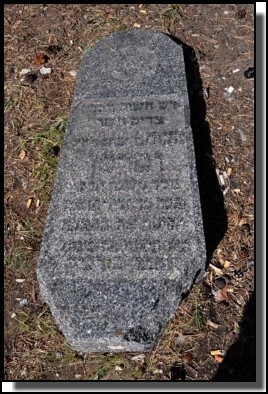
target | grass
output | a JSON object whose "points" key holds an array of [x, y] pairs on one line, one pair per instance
{"points": [[17, 258], [47, 146]]}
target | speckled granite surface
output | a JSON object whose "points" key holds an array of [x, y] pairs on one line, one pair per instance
{"points": [[124, 236]]}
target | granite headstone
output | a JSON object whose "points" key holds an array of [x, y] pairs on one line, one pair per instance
{"points": [[124, 236]]}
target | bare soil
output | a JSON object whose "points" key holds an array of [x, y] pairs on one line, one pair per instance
{"points": [[218, 314]]}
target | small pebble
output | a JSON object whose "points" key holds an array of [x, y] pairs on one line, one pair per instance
{"points": [[45, 70], [250, 263], [179, 340], [13, 315], [241, 14], [229, 159], [54, 49], [158, 371], [25, 71], [30, 77], [73, 73], [242, 135], [250, 72], [118, 368], [230, 89], [238, 273], [234, 185], [22, 301], [139, 357]]}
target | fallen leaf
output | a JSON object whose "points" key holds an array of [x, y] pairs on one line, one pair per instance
{"points": [[29, 203], [217, 352], [137, 25], [22, 154], [219, 359], [187, 358], [221, 294], [37, 204], [41, 58], [143, 12]]}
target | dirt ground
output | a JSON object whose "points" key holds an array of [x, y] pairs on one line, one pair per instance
{"points": [[212, 336]]}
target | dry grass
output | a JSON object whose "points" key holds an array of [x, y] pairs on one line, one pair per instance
{"points": [[35, 119]]}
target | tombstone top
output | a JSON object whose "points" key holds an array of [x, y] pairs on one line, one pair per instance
{"points": [[133, 63]]}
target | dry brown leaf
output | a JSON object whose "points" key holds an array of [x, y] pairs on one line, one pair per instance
{"points": [[137, 25], [41, 58], [143, 12], [187, 358], [29, 203], [22, 154], [221, 294], [219, 359]]}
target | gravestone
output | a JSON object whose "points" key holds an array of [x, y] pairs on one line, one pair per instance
{"points": [[124, 236]]}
